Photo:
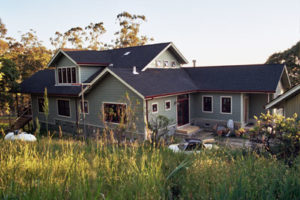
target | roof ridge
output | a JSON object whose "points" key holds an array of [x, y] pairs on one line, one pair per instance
{"points": [[237, 65], [105, 50]]}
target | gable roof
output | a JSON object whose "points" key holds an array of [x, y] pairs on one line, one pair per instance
{"points": [[138, 56], [281, 98]]}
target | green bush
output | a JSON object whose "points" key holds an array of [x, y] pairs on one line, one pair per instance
{"points": [[279, 135]]}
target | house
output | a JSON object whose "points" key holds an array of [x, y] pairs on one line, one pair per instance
{"points": [[287, 103], [157, 84]]}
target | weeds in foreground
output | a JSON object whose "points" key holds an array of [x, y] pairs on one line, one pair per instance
{"points": [[68, 169]]}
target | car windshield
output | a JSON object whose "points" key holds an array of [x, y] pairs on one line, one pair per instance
{"points": [[194, 147]]}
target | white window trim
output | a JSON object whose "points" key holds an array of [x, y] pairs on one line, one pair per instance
{"points": [[152, 108], [69, 108], [230, 104], [88, 105], [39, 105], [212, 104], [173, 62], [66, 84], [106, 102], [170, 105], [157, 63]]}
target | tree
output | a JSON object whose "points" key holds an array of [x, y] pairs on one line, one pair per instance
{"points": [[77, 37], [291, 58], [129, 33], [8, 81], [46, 107]]}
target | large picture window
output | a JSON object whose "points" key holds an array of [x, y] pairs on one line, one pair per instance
{"points": [[207, 104], [226, 105], [115, 113], [63, 107], [66, 75], [41, 104]]}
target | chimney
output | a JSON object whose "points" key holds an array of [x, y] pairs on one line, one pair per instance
{"points": [[194, 63], [134, 70]]}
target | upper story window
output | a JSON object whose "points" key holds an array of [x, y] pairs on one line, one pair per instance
{"points": [[166, 63], [66, 75], [158, 63], [173, 64], [226, 105]]}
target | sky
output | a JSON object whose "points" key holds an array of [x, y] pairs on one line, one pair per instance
{"points": [[213, 32]]}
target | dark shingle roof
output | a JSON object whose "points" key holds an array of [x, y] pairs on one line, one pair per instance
{"points": [[37, 83], [138, 56], [248, 78], [157, 81]]}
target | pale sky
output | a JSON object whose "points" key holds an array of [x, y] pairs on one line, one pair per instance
{"points": [[210, 31]]}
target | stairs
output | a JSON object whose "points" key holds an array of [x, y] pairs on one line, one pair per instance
{"points": [[23, 119]]}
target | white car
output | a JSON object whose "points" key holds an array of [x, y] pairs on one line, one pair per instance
{"points": [[192, 146]]}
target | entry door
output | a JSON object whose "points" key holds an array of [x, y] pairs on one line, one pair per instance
{"points": [[182, 109], [246, 109]]}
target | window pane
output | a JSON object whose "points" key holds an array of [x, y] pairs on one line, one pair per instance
{"points": [[69, 75], [114, 113], [73, 75], [63, 107], [41, 104], [226, 105], [168, 105], [207, 104], [154, 107], [59, 76], [64, 72]]}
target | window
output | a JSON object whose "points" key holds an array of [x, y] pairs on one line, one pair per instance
{"points": [[173, 64], [226, 105], [158, 63], [41, 104], [207, 104], [154, 108], [63, 107], [167, 105], [86, 107], [66, 75], [166, 63], [114, 112]]}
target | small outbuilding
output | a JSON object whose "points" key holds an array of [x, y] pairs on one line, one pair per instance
{"points": [[288, 102]]}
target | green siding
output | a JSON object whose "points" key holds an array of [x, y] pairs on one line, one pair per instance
{"points": [[110, 89], [256, 104], [53, 110], [64, 62], [87, 71], [170, 114], [292, 106], [196, 107]]}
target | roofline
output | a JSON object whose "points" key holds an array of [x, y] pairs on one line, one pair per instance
{"points": [[65, 54], [167, 47], [192, 91], [287, 75], [282, 97], [93, 64], [51, 94], [107, 70]]}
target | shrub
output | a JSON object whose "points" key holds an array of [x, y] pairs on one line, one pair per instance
{"points": [[279, 135]]}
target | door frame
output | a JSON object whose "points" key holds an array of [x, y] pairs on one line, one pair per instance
{"points": [[246, 117], [188, 110]]}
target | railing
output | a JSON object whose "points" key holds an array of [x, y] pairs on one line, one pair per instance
{"points": [[26, 111]]}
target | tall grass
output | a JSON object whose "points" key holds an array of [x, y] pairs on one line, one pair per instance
{"points": [[67, 169]]}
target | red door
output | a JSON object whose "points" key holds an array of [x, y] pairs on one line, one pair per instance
{"points": [[182, 109]]}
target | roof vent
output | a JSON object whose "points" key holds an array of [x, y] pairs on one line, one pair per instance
{"points": [[111, 65], [134, 70], [127, 53]]}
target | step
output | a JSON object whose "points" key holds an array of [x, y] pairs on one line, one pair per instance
{"points": [[188, 130]]}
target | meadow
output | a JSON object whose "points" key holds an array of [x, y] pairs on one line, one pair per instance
{"points": [[70, 169]]}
